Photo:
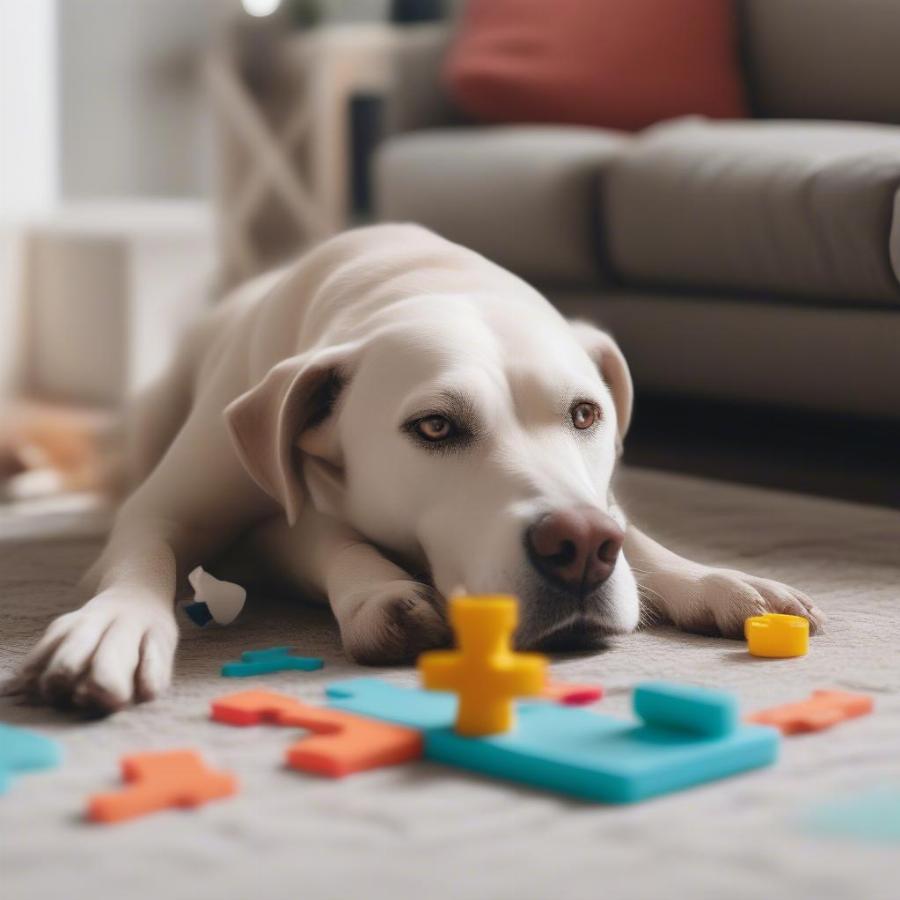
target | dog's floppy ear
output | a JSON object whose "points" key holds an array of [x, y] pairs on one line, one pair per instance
{"points": [[287, 410], [613, 369]]}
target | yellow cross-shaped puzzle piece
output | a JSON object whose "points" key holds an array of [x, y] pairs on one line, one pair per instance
{"points": [[484, 671]]}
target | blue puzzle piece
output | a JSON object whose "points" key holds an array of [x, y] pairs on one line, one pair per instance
{"points": [[596, 757], [275, 659], [24, 751], [198, 613]]}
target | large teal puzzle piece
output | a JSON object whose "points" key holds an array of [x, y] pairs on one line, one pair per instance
{"points": [[24, 751], [425, 710], [578, 752], [274, 659]]}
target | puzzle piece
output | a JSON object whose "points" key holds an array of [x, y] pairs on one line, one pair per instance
{"points": [[570, 694], [596, 757], [198, 613], [275, 659], [683, 707], [822, 710], [425, 710], [24, 751], [484, 671], [777, 636], [871, 815], [221, 601], [341, 743], [158, 781]]}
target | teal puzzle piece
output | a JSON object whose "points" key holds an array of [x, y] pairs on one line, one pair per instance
{"points": [[275, 659], [24, 751], [578, 752], [871, 815]]}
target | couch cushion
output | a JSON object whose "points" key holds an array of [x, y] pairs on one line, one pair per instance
{"points": [[607, 63], [838, 360], [823, 59], [791, 208], [523, 196]]}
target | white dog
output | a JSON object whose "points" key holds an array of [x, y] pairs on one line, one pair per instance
{"points": [[427, 421]]}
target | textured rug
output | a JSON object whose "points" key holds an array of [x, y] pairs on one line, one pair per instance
{"points": [[425, 830]]}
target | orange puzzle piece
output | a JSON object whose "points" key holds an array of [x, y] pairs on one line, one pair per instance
{"points": [[822, 710], [341, 744], [159, 781]]}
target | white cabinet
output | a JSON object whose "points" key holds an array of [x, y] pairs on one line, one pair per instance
{"points": [[101, 293]]}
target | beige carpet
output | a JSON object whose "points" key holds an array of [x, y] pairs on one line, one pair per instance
{"points": [[428, 831]]}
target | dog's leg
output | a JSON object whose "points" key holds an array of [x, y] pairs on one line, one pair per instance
{"points": [[706, 599], [120, 645], [385, 616]]}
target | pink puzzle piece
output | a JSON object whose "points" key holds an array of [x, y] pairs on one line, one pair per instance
{"points": [[341, 743], [822, 710], [570, 694]]}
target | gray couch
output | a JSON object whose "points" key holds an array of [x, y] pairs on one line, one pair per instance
{"points": [[756, 259]]}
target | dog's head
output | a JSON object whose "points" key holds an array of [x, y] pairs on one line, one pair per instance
{"points": [[475, 441]]}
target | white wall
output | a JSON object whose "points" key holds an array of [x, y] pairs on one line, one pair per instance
{"points": [[133, 121], [28, 107], [28, 150]]}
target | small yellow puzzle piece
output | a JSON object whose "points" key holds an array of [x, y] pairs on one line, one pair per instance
{"points": [[484, 671], [777, 636]]}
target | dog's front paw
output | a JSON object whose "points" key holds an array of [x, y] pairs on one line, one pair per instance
{"points": [[111, 652], [718, 601], [394, 622]]}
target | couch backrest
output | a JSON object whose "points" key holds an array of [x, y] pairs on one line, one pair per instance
{"points": [[827, 59]]}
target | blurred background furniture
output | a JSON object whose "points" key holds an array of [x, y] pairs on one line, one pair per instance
{"points": [[286, 155], [282, 104], [96, 296], [749, 267], [753, 260], [104, 290]]}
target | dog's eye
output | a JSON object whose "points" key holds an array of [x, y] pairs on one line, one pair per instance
{"points": [[434, 428], [441, 431], [584, 415]]}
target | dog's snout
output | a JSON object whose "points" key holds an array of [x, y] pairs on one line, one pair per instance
{"points": [[576, 548]]}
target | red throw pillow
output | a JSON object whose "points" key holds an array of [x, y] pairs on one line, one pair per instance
{"points": [[611, 63]]}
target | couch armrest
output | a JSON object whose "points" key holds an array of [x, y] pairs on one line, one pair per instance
{"points": [[416, 98]]}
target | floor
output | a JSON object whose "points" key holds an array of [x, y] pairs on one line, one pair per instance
{"points": [[803, 828]]}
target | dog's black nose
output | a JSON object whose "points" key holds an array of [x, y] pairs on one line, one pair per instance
{"points": [[576, 548]]}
